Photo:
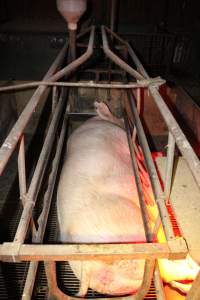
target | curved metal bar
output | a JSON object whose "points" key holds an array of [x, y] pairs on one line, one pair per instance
{"points": [[118, 61], [41, 164]]}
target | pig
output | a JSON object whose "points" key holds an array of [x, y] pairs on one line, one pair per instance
{"points": [[97, 202]]}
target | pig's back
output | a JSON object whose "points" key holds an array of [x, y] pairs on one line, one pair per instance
{"points": [[97, 197]]}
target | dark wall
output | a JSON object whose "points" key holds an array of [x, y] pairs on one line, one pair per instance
{"points": [[173, 13]]}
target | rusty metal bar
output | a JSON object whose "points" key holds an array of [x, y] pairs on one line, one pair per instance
{"points": [[38, 175], [56, 293], [116, 59], [175, 249], [42, 221], [113, 17], [160, 294], [42, 162], [133, 85], [11, 141], [169, 166], [143, 207], [180, 139], [22, 169], [167, 226]]}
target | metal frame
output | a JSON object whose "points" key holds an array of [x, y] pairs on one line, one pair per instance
{"points": [[174, 248]]}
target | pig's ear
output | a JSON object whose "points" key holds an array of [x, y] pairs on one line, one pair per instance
{"points": [[104, 113]]}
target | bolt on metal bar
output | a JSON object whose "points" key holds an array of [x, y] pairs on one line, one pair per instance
{"points": [[42, 162], [42, 221], [116, 59], [167, 226], [169, 166], [11, 141], [22, 169]]}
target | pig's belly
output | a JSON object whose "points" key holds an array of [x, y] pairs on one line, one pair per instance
{"points": [[97, 203]]}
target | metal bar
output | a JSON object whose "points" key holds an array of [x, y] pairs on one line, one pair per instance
{"points": [[56, 293], [194, 292], [11, 141], [42, 221], [148, 273], [54, 98], [22, 169], [38, 175], [160, 294], [182, 143], [116, 59], [138, 100], [72, 45], [169, 166], [175, 249], [42, 162], [167, 226], [144, 212], [76, 63], [138, 84], [113, 17]]}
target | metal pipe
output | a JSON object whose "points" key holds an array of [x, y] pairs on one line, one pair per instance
{"points": [[143, 207], [11, 141], [12, 252], [42, 162], [42, 221], [118, 61], [38, 175], [169, 166], [113, 17], [160, 294], [182, 143], [91, 84], [72, 45], [76, 63], [22, 169], [56, 293], [167, 226]]}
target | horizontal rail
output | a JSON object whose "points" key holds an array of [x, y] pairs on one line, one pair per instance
{"points": [[140, 83], [175, 249]]}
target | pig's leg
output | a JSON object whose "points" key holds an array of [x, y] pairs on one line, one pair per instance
{"points": [[105, 114], [85, 278]]}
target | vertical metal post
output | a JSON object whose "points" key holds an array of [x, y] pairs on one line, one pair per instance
{"points": [[138, 100], [22, 169], [169, 165], [160, 294], [113, 17]]}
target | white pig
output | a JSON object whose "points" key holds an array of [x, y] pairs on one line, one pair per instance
{"points": [[97, 202]]}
